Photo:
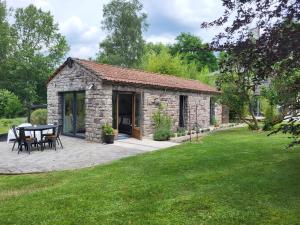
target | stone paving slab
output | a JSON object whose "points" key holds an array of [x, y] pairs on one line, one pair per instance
{"points": [[77, 153]]}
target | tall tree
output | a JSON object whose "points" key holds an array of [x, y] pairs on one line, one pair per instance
{"points": [[125, 22], [275, 52], [193, 50], [37, 48], [4, 31]]}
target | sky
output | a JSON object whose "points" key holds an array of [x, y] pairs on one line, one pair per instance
{"points": [[80, 20]]}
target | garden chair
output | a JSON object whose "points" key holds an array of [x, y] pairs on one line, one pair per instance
{"points": [[25, 141], [17, 138], [55, 138]]}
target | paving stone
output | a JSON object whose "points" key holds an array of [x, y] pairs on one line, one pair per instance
{"points": [[77, 153]]}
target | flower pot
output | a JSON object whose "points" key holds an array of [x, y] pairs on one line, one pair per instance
{"points": [[109, 139]]}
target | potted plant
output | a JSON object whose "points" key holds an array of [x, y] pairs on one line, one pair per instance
{"points": [[108, 133]]}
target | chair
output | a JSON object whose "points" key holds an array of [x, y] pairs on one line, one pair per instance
{"points": [[25, 141], [17, 138], [53, 139], [49, 134]]}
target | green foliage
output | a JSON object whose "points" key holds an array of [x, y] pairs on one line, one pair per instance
{"points": [[39, 116], [36, 48], [5, 33], [238, 89], [270, 117], [159, 60], [5, 124], [124, 21], [107, 129], [10, 105], [162, 124], [181, 131], [191, 49], [162, 134]]}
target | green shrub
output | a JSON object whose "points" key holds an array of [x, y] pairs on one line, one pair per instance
{"points": [[270, 115], [39, 116], [162, 134], [107, 129], [10, 105], [181, 131], [162, 124]]}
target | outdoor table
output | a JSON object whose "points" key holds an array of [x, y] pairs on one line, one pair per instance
{"points": [[40, 128]]}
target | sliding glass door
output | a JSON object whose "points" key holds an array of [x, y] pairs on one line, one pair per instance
{"points": [[74, 114]]}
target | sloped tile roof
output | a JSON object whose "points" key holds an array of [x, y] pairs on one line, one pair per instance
{"points": [[139, 77]]}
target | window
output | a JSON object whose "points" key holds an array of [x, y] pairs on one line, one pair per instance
{"points": [[183, 110]]}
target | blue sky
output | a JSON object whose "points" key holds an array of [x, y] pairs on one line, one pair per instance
{"points": [[80, 20]]}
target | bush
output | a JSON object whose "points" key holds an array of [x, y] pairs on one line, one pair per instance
{"points": [[10, 105], [270, 115], [39, 116], [107, 129], [162, 124], [181, 131], [162, 134]]}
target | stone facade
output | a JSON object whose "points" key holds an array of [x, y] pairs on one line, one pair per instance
{"points": [[98, 101]]}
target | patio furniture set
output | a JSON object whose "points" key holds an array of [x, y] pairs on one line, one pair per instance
{"points": [[28, 137]]}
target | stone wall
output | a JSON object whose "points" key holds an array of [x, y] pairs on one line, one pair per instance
{"points": [[198, 105], [98, 98]]}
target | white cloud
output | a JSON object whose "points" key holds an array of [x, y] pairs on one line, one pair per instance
{"points": [[163, 38], [82, 37]]}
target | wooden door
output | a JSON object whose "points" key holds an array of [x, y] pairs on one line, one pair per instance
{"points": [[136, 115]]}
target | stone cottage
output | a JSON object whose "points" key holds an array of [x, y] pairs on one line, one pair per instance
{"points": [[83, 95]]}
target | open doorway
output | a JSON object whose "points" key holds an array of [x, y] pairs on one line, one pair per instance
{"points": [[126, 114]]}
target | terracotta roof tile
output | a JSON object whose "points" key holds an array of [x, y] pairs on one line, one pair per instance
{"points": [[134, 76]]}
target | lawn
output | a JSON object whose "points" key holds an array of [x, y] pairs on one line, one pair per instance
{"points": [[5, 124], [230, 177]]}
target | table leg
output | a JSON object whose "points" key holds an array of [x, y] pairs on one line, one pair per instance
{"points": [[41, 141], [34, 138]]}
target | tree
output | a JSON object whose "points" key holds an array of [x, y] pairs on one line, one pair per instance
{"points": [[4, 31], [159, 60], [190, 48], [273, 52], [37, 48], [10, 105], [124, 21]]}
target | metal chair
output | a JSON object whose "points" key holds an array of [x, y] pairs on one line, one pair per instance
{"points": [[25, 141], [16, 139], [53, 139]]}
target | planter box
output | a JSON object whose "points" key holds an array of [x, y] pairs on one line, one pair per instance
{"points": [[3, 137]]}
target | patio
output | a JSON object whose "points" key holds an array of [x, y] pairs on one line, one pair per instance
{"points": [[77, 153]]}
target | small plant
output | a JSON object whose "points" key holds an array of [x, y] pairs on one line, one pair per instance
{"points": [[181, 131], [162, 124], [162, 134], [107, 129], [39, 116], [108, 133]]}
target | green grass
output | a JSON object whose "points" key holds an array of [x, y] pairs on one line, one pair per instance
{"points": [[5, 124], [231, 177]]}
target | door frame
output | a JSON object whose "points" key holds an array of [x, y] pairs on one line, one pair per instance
{"points": [[74, 114], [136, 132]]}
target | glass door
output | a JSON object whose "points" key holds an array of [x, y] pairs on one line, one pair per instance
{"points": [[68, 114], [80, 114], [74, 114]]}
